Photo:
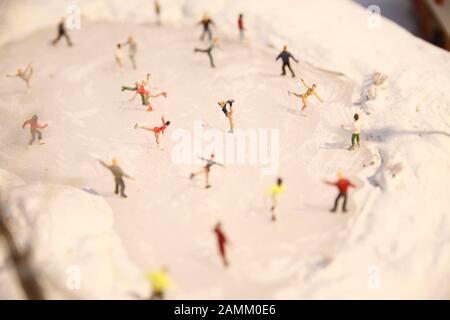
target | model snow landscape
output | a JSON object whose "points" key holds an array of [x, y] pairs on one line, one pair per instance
{"points": [[298, 150]]}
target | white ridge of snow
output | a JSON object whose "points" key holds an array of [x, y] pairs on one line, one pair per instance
{"points": [[396, 245], [75, 250]]}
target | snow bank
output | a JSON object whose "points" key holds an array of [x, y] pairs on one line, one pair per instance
{"points": [[76, 252]]}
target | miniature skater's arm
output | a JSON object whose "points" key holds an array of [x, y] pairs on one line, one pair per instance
{"points": [[135, 94], [25, 123], [317, 96], [219, 164], [330, 183], [296, 94], [127, 176], [293, 58], [104, 164], [304, 83], [28, 68], [279, 56], [42, 126]]}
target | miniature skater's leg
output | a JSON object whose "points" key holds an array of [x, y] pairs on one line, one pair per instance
{"points": [[197, 173], [133, 61], [223, 255], [207, 185], [157, 139], [344, 206], [28, 78], [57, 39], [33, 137], [157, 295], [358, 140], [231, 121], [69, 42], [119, 63], [336, 202], [129, 88], [211, 59], [122, 188], [39, 134], [143, 100], [290, 69], [305, 104], [283, 69], [274, 207], [116, 189], [353, 140]]}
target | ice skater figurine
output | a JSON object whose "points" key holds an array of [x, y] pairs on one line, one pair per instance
{"points": [[132, 50], [118, 174], [241, 27], [355, 129], [34, 129], [25, 75], [139, 87], [213, 45], [275, 192], [118, 56], [222, 243], [157, 8], [62, 32], [206, 170], [207, 23], [160, 282], [286, 57], [156, 130], [228, 112], [311, 91], [343, 185]]}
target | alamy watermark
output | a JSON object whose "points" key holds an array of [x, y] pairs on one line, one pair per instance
{"points": [[73, 278], [373, 277], [73, 17], [242, 147], [374, 17]]}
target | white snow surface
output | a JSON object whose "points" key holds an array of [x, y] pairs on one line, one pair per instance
{"points": [[395, 243]]}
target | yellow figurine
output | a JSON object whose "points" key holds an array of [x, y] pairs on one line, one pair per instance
{"points": [[160, 282], [275, 192], [311, 91]]}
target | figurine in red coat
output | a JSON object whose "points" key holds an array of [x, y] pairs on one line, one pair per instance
{"points": [[241, 27], [34, 129], [222, 242], [343, 185]]}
